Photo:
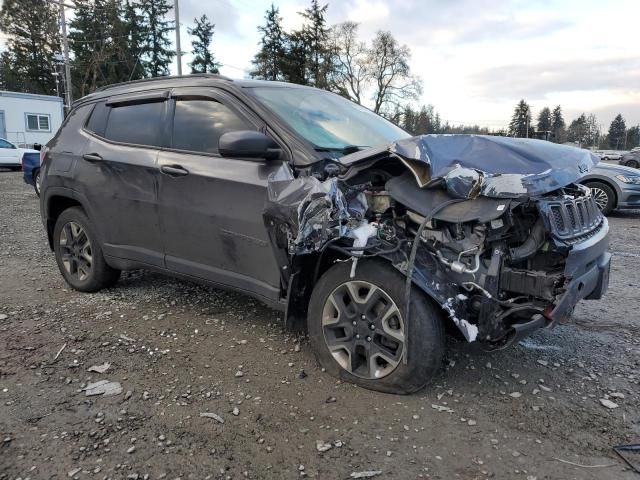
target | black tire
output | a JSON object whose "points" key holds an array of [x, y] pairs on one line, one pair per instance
{"points": [[97, 274], [632, 163], [36, 181], [597, 190], [424, 338]]}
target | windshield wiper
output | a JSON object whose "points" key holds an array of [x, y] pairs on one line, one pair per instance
{"points": [[347, 149]]}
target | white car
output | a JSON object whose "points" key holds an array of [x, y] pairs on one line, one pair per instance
{"points": [[11, 155]]}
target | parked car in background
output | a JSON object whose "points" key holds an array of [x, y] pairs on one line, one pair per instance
{"points": [[614, 187], [610, 154], [31, 170], [11, 154], [631, 159]]}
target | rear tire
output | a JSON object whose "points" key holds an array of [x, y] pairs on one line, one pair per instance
{"points": [[604, 195], [36, 181], [358, 331], [79, 254]]}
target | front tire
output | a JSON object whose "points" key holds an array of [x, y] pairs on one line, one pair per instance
{"points": [[604, 196], [79, 254], [632, 163], [358, 330]]}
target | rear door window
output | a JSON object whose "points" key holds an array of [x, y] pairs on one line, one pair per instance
{"points": [[198, 124], [137, 123]]}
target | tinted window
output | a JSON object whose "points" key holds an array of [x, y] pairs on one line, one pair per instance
{"points": [[98, 120], [198, 124], [138, 123]]}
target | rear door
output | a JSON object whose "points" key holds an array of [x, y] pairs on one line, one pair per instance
{"points": [[119, 174], [8, 153], [210, 206]]}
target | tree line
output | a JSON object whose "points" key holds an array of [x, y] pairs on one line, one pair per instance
{"points": [[584, 130], [110, 41], [332, 57]]}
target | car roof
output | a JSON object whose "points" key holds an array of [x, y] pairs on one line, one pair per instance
{"points": [[193, 80]]}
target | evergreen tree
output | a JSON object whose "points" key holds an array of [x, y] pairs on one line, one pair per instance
{"points": [[544, 120], [558, 125], [93, 32], [633, 137], [577, 131], [156, 51], [520, 125], [9, 77], [33, 39], [268, 64], [134, 40], [316, 34], [617, 131], [203, 60], [294, 65]]}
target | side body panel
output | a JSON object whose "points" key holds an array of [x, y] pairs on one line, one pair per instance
{"points": [[211, 216]]}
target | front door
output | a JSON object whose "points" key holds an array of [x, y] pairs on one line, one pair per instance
{"points": [[210, 206]]}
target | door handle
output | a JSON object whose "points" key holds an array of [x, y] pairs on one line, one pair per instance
{"points": [[92, 157], [174, 170]]}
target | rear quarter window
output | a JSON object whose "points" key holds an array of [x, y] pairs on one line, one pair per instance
{"points": [[98, 120]]}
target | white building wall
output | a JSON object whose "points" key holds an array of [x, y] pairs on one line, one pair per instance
{"points": [[16, 106]]}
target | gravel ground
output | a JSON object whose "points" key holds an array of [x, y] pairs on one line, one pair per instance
{"points": [[179, 350]]}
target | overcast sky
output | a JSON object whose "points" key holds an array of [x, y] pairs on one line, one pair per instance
{"points": [[477, 58]]}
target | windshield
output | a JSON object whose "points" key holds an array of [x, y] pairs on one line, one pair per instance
{"points": [[327, 120]]}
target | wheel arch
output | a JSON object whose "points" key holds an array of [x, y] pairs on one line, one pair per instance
{"points": [[430, 280], [607, 182]]}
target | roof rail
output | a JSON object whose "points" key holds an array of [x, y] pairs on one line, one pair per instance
{"points": [[168, 77]]}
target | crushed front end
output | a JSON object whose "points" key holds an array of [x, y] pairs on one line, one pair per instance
{"points": [[503, 252], [502, 268]]}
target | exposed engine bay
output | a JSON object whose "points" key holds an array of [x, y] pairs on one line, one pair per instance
{"points": [[502, 255]]}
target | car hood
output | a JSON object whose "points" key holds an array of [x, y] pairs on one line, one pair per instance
{"points": [[497, 167], [609, 169]]}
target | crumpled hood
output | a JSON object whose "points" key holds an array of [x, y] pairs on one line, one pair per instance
{"points": [[498, 167]]}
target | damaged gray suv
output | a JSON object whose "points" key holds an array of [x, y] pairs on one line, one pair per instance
{"points": [[371, 240]]}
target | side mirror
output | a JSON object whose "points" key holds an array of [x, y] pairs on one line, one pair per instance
{"points": [[247, 144]]}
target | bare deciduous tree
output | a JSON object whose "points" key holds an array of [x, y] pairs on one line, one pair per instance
{"points": [[350, 74], [388, 64]]}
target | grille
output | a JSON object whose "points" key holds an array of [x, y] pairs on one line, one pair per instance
{"points": [[574, 219]]}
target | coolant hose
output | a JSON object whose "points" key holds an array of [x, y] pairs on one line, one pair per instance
{"points": [[531, 244]]}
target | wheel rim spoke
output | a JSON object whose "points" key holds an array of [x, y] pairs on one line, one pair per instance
{"points": [[75, 251], [363, 329]]}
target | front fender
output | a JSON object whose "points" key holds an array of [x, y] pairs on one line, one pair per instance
{"points": [[431, 277]]}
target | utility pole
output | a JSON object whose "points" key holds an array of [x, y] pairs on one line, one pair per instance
{"points": [[65, 51], [178, 51]]}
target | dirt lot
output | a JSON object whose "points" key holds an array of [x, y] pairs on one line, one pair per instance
{"points": [[180, 349]]}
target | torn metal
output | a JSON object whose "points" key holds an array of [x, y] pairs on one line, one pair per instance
{"points": [[509, 243]]}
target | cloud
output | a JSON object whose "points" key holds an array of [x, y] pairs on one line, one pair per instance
{"points": [[223, 13], [534, 80]]}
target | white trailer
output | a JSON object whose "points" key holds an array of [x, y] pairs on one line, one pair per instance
{"points": [[27, 118]]}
